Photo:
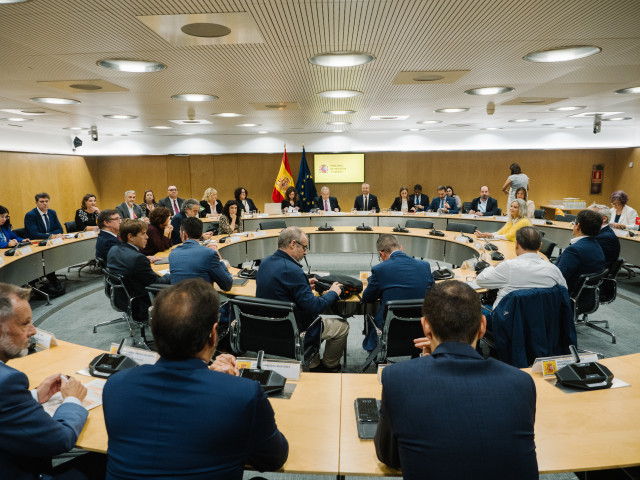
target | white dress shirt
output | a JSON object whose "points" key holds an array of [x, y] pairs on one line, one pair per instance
{"points": [[528, 270]]}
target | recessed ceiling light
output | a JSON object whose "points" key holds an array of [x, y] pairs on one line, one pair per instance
{"points": [[263, 131], [429, 122], [523, 120], [55, 101], [75, 128], [134, 66], [461, 125], [194, 97], [489, 90], [227, 114], [616, 119], [593, 114], [13, 1], [137, 131], [16, 119], [25, 111], [566, 109], [414, 130], [341, 59], [532, 101], [339, 93], [120, 117], [569, 126], [562, 54], [451, 110], [161, 127], [205, 30], [491, 128], [188, 133], [248, 125], [337, 131], [389, 117], [338, 123], [116, 135], [427, 78], [339, 112], [628, 90]]}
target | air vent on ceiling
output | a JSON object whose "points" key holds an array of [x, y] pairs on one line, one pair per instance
{"points": [[85, 86], [426, 78]]}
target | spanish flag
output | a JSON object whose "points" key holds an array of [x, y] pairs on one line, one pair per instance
{"points": [[284, 179]]}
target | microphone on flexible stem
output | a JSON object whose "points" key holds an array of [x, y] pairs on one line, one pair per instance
{"points": [[308, 267], [259, 362]]}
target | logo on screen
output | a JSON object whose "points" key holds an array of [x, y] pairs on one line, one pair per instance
{"points": [[324, 168]]}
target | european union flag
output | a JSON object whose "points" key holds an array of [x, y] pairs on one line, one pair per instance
{"points": [[305, 185]]}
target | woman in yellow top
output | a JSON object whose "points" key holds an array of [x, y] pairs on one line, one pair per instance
{"points": [[517, 220]]}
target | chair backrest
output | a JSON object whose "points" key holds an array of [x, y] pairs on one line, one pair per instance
{"points": [[419, 224], [609, 287], [273, 224], [271, 326], [547, 247], [210, 227], [538, 213], [461, 227], [401, 326], [114, 283], [586, 300], [466, 206], [70, 227], [499, 212], [21, 232], [565, 218], [532, 323]]}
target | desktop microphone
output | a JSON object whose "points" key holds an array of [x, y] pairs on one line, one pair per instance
{"points": [[43, 243], [308, 267]]}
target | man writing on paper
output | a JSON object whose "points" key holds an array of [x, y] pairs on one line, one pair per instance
{"points": [[451, 413]]}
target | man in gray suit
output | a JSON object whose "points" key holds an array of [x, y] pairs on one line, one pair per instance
{"points": [[129, 208]]}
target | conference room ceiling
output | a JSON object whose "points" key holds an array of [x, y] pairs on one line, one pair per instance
{"points": [[262, 69]]}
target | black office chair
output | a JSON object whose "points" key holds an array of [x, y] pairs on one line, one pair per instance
{"points": [[565, 218], [609, 287], [401, 326], [547, 247], [210, 227], [419, 224], [461, 227], [271, 326], [273, 224], [539, 213], [586, 301], [498, 212], [114, 283], [21, 232], [71, 227], [466, 206]]}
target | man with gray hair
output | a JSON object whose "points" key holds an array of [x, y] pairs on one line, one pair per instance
{"points": [[190, 208], [280, 277], [30, 437], [607, 239], [129, 208], [325, 202]]}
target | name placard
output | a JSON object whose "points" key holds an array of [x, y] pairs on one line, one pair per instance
{"points": [[621, 233], [396, 213], [538, 221], [259, 233], [45, 339], [140, 355], [462, 239], [294, 214], [467, 215], [289, 370], [52, 242], [88, 234], [23, 251], [262, 215], [548, 366]]}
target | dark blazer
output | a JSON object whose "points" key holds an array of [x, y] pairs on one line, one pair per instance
{"points": [[30, 437], [207, 208], [126, 260], [123, 210], [610, 245], [104, 243], [358, 204], [166, 202], [333, 203], [176, 220], [285, 204], [156, 242], [424, 201], [178, 419], [492, 206], [280, 277], [583, 257], [8, 235], [192, 260], [435, 204], [400, 277], [252, 206], [36, 228], [397, 204], [455, 415]]}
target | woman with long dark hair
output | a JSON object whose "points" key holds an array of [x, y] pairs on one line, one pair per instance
{"points": [[8, 239], [230, 219], [87, 214]]}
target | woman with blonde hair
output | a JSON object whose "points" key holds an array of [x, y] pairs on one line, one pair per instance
{"points": [[211, 206], [517, 220]]}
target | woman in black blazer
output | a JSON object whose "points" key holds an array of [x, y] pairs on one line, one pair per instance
{"points": [[290, 200], [404, 197], [241, 196], [209, 199]]}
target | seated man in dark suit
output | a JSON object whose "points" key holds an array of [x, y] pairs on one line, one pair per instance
{"points": [[30, 436], [443, 203], [420, 201], [180, 419], [606, 238], [126, 260], [190, 208], [129, 208], [192, 260], [451, 413], [327, 203], [109, 223], [172, 201], [398, 277], [366, 201], [584, 255], [280, 277], [484, 205]]}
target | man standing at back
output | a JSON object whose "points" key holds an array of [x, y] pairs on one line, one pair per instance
{"points": [[180, 419], [366, 201], [398, 277], [172, 201], [280, 277], [583, 255], [451, 413], [606, 238]]}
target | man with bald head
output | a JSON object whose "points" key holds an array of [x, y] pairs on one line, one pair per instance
{"points": [[366, 202], [484, 205], [172, 201]]}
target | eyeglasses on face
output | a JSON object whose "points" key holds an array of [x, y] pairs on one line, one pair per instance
{"points": [[304, 247]]}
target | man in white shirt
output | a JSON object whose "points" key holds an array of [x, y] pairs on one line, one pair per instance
{"points": [[128, 208], [527, 270], [366, 201], [484, 205]]}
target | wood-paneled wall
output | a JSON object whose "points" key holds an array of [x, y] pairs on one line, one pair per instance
{"points": [[554, 174]]}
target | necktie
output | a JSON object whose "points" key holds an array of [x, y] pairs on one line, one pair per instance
{"points": [[417, 202], [175, 206], [441, 203], [366, 202], [326, 206], [45, 217], [133, 213]]}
